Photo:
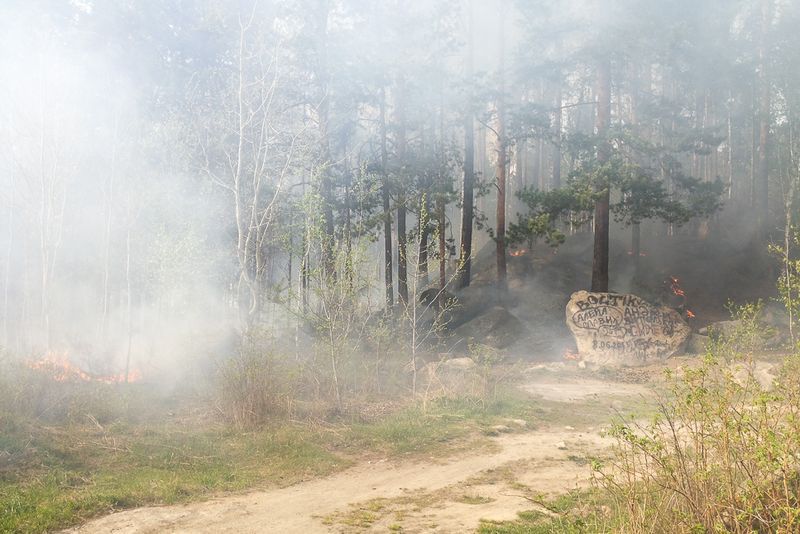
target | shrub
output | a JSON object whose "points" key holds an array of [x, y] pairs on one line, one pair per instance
{"points": [[256, 386], [721, 456]]}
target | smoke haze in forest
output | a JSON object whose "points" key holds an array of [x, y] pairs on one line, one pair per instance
{"points": [[176, 175]]}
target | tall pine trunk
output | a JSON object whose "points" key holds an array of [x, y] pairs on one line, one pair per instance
{"points": [[402, 258], [424, 231], [557, 120], [601, 206], [762, 186], [388, 267], [468, 188], [501, 169]]}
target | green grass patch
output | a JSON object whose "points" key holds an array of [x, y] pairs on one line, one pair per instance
{"points": [[577, 512], [444, 426], [474, 499], [58, 474], [64, 476]]}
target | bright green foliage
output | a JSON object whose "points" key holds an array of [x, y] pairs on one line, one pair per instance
{"points": [[789, 280], [545, 209], [576, 512], [721, 456], [641, 196]]}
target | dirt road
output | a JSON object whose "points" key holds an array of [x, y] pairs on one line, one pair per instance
{"points": [[302, 508], [424, 496]]}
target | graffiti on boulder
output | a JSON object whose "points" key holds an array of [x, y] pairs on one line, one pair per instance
{"points": [[624, 329]]}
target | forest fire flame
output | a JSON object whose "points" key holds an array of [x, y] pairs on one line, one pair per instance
{"points": [[677, 290], [519, 252], [676, 287], [59, 367]]}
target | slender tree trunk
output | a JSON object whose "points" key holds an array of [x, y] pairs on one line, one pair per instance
{"points": [[762, 188], [468, 189], [305, 269], [326, 190], [348, 236], [442, 222], [538, 178], [698, 126], [402, 259], [636, 246], [305, 261], [557, 120], [730, 145], [601, 207], [9, 253], [787, 230], [387, 214], [424, 231], [501, 170], [441, 201], [323, 115], [129, 303], [754, 147], [289, 264], [107, 234]]}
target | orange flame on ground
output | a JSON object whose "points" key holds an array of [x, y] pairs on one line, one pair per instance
{"points": [[571, 355], [61, 369], [676, 287], [518, 253]]}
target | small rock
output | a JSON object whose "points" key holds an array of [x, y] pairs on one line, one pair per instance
{"points": [[761, 372], [697, 344], [497, 327], [459, 364], [518, 422], [721, 328], [502, 429], [561, 446], [774, 314]]}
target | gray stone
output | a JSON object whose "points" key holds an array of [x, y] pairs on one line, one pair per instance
{"points": [[497, 328], [762, 372], [517, 422], [623, 329], [721, 329], [697, 344], [459, 364], [775, 315]]}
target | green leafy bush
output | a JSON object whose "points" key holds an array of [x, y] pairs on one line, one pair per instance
{"points": [[721, 456]]}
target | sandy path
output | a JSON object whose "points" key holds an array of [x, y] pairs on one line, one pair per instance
{"points": [[300, 508]]}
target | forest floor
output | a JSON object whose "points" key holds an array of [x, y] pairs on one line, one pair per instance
{"points": [[523, 467]]}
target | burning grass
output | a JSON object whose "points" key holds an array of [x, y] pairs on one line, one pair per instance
{"points": [[59, 367]]}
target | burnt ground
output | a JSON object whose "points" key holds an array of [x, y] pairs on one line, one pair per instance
{"points": [[712, 271]]}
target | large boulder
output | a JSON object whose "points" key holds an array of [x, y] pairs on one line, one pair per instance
{"points": [[615, 329]]}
